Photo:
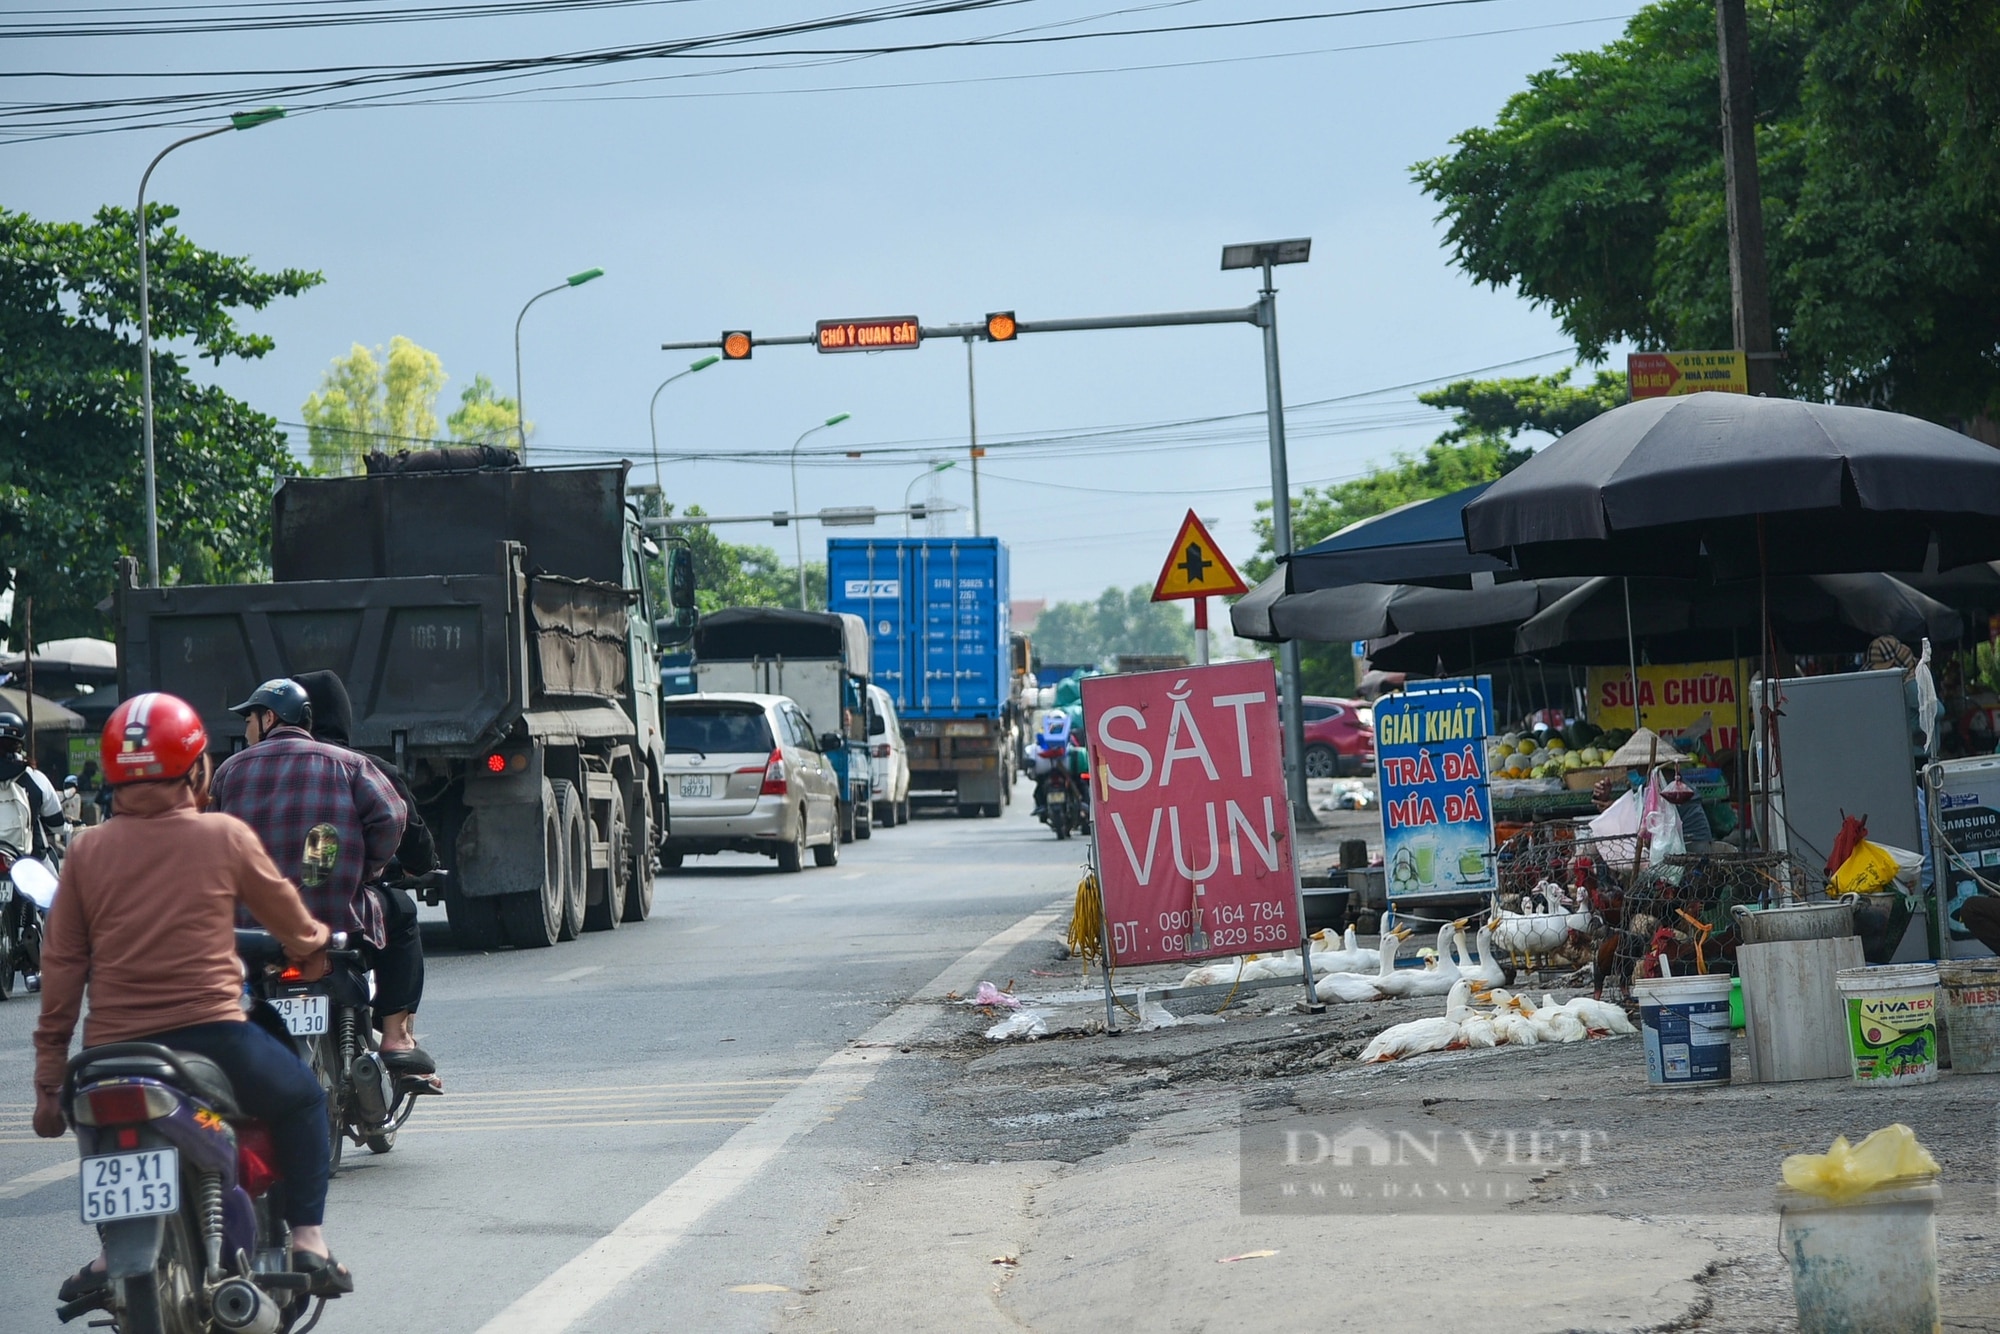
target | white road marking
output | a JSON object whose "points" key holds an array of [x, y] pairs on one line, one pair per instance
{"points": [[788, 898], [566, 1296], [575, 973], [34, 1181]]}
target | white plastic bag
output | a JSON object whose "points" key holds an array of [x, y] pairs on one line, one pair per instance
{"points": [[1660, 821], [1154, 1015], [1023, 1023], [1927, 699], [1616, 832]]}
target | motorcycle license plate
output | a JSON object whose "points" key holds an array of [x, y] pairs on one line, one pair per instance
{"points": [[1057, 797], [304, 1016], [131, 1185], [697, 785]]}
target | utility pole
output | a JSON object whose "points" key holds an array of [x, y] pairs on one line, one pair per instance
{"points": [[1749, 289], [1281, 547], [972, 420]]}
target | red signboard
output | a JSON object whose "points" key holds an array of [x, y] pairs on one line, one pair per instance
{"points": [[1193, 833], [877, 335]]}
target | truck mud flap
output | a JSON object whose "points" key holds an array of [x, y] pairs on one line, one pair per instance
{"points": [[500, 850]]}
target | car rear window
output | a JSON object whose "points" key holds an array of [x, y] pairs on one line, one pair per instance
{"points": [[717, 729]]}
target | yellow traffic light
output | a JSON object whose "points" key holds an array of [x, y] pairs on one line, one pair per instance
{"points": [[736, 345], [1001, 328]]}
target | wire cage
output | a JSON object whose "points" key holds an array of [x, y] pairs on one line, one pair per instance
{"points": [[1619, 921]]}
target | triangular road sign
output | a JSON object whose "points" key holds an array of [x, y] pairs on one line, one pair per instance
{"points": [[1196, 567]]}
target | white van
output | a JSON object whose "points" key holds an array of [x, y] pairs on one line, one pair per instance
{"points": [[888, 759]]}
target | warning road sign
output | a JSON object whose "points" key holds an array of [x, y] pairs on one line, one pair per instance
{"points": [[1196, 567]]}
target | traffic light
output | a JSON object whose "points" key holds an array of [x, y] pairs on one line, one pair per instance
{"points": [[736, 345], [1001, 328]]}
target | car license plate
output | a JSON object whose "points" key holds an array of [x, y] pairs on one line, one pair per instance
{"points": [[697, 785], [131, 1185], [304, 1016]]}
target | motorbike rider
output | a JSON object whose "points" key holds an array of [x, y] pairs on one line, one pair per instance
{"points": [[283, 785], [399, 989], [44, 806], [143, 928], [1050, 748]]}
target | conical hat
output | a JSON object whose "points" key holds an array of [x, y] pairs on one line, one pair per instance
{"points": [[1645, 748]]}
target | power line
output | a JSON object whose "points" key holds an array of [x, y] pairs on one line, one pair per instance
{"points": [[712, 46]]}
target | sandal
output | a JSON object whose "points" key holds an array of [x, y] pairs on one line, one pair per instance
{"points": [[85, 1282], [409, 1061], [330, 1278]]}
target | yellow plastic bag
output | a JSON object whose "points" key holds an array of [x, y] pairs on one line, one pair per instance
{"points": [[1843, 1172], [1867, 869]]}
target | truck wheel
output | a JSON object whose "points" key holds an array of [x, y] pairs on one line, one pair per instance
{"points": [[576, 858], [609, 910], [639, 879], [864, 819], [903, 811], [991, 810], [475, 923], [792, 855], [843, 818], [533, 921]]}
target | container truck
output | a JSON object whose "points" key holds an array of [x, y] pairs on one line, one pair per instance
{"points": [[819, 659], [937, 615], [493, 627]]}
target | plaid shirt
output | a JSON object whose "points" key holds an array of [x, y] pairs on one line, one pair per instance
{"points": [[285, 785]]}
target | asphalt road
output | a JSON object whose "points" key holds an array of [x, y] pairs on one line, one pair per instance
{"points": [[600, 1083]]}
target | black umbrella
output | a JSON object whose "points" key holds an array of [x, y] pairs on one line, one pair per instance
{"points": [[1735, 486], [1827, 613], [1376, 611]]}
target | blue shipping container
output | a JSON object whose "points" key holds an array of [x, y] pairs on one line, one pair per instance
{"points": [[937, 613]]}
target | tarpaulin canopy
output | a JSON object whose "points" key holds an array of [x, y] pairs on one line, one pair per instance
{"points": [[1422, 542], [1726, 485]]}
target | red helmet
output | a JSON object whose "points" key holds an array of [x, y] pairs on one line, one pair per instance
{"points": [[151, 737]]}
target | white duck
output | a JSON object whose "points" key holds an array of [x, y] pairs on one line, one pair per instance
{"points": [[1347, 987], [1422, 1035], [1478, 1029], [1565, 1024], [1345, 957], [1600, 1016], [1442, 973], [1489, 969]]}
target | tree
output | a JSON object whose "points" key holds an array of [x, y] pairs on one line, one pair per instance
{"points": [[1597, 193], [364, 404], [1120, 621], [484, 417], [72, 495]]}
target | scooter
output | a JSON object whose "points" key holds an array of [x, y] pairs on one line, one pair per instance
{"points": [[27, 893], [178, 1185]]}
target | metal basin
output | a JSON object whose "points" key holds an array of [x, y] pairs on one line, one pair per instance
{"points": [[1830, 920]]}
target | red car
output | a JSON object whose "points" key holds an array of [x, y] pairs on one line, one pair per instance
{"points": [[1340, 737]]}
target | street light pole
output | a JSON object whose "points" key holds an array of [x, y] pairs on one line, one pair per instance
{"points": [[929, 471], [653, 420], [520, 406], [242, 120], [972, 418], [798, 524]]}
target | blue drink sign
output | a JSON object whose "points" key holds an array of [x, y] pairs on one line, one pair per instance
{"points": [[1430, 763]]}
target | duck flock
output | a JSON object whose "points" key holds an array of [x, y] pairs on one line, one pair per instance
{"points": [[1348, 973]]}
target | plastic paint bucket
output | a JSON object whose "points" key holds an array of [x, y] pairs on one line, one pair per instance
{"points": [[1969, 998], [1685, 1021], [1891, 1023], [1868, 1266], [1736, 1019]]}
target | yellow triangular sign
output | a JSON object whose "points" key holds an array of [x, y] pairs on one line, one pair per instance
{"points": [[1196, 567]]}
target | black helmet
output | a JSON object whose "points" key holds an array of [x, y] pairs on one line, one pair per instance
{"points": [[283, 697], [13, 727]]}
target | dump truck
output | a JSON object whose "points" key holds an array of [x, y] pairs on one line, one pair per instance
{"points": [[937, 612], [496, 631], [817, 658]]}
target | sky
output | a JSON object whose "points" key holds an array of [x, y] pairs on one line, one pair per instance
{"points": [[750, 191]]}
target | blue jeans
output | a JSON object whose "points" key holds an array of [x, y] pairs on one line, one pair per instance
{"points": [[273, 1085]]}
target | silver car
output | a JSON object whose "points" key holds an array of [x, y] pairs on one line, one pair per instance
{"points": [[745, 774]]}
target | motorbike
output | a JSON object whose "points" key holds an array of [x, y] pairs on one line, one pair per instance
{"points": [[27, 892], [330, 1024], [178, 1185], [1066, 802]]}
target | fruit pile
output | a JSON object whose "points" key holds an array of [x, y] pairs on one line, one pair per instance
{"points": [[1523, 755]]}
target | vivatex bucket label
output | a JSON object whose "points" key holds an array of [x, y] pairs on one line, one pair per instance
{"points": [[1894, 1036]]}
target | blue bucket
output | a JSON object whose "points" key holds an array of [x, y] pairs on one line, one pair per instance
{"points": [[1685, 1021]]}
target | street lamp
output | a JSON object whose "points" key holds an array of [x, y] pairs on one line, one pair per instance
{"points": [[520, 408], [1254, 255], [934, 469], [798, 537], [653, 420], [242, 120]]}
